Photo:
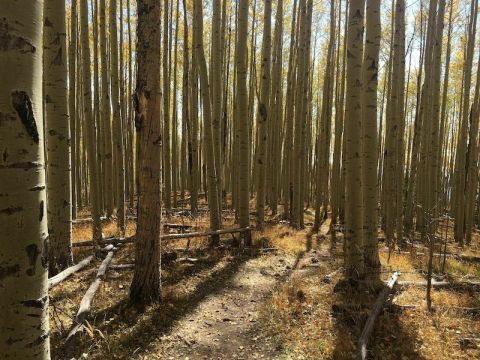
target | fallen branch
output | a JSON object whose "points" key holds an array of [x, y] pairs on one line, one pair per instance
{"points": [[86, 303], [441, 284], [122, 266], [170, 237], [466, 258], [57, 279], [362, 342]]}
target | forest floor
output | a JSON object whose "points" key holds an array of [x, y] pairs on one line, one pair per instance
{"points": [[272, 302]]}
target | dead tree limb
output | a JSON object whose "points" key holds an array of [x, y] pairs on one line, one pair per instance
{"points": [[86, 303], [362, 342], [122, 266], [441, 284], [170, 237], [57, 279]]}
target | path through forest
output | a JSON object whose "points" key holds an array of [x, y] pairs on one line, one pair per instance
{"points": [[225, 325]]}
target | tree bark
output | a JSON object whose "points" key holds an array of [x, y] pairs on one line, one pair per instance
{"points": [[146, 283], [24, 328], [57, 131]]}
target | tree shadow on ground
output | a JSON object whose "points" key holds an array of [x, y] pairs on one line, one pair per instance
{"points": [[390, 339], [126, 329]]}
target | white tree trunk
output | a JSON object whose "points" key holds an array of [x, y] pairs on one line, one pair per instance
{"points": [[57, 137], [24, 330]]}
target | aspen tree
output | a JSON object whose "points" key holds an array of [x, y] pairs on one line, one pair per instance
{"points": [[167, 171], [194, 151], [24, 328], [185, 102], [369, 132], [301, 111], [446, 79], [212, 183], [324, 132], [460, 173], [106, 121], [130, 151], [433, 196], [117, 120], [216, 88], [399, 83], [354, 261], [96, 104], [242, 117], [472, 161], [175, 112], [263, 113], [336, 189], [288, 142], [72, 59], [89, 124], [276, 111], [146, 283], [412, 183], [57, 137]]}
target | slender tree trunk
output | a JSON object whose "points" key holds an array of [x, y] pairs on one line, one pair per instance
{"points": [[89, 123], [263, 113], [215, 221], [106, 115], [72, 60], [216, 75], [57, 137], [324, 131], [369, 132], [242, 116], [24, 328], [354, 260], [117, 120], [166, 113]]}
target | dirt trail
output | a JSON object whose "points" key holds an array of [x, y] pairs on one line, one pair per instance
{"points": [[224, 325]]}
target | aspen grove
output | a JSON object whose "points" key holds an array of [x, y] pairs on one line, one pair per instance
{"points": [[261, 179]]}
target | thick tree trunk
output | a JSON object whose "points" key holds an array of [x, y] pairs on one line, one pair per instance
{"points": [[24, 329], [146, 283]]}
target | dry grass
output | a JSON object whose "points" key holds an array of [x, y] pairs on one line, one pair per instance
{"points": [[298, 315]]}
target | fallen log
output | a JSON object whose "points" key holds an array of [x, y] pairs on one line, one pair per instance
{"points": [[170, 237], [86, 303], [362, 342], [441, 284], [122, 266], [466, 258], [57, 279]]}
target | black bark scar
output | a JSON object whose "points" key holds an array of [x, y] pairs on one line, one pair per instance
{"points": [[23, 106], [41, 211], [35, 303], [32, 253], [11, 40], [8, 271]]}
